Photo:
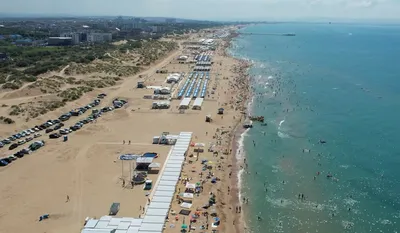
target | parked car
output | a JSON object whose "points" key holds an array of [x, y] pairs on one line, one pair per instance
{"points": [[56, 121], [57, 127], [21, 142], [12, 138], [28, 139], [49, 130], [3, 163], [6, 141], [36, 135], [36, 145], [12, 157], [13, 146], [54, 135], [1, 145]]}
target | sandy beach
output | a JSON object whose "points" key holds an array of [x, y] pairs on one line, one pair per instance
{"points": [[81, 177]]}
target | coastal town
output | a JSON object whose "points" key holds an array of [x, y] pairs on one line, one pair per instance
{"points": [[124, 131]]}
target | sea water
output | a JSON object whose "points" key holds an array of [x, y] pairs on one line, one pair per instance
{"points": [[331, 100]]}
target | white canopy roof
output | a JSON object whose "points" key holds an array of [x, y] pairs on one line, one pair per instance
{"points": [[157, 212], [171, 178], [186, 205], [162, 199], [151, 227], [154, 219], [190, 186], [172, 169], [198, 102], [188, 195], [164, 193], [185, 102], [165, 188], [167, 183], [159, 205]]}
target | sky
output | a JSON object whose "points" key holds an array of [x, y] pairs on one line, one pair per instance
{"points": [[212, 9]]}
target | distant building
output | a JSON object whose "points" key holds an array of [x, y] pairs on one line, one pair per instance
{"points": [[99, 37], [77, 37], [23, 42], [157, 28], [59, 41]]}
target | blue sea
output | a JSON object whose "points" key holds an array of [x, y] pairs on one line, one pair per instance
{"points": [[328, 159]]}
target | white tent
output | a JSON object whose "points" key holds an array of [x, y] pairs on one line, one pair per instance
{"points": [[157, 212], [165, 188], [171, 174], [162, 199], [173, 166], [198, 103], [146, 227], [190, 186], [154, 219], [188, 195], [172, 169], [170, 178], [186, 205], [164, 193], [167, 183], [184, 103], [159, 205]]}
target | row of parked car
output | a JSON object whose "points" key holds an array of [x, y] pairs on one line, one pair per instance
{"points": [[31, 148], [96, 113], [19, 138]]}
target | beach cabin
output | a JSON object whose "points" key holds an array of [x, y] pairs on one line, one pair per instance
{"points": [[143, 163], [140, 84], [220, 111], [148, 184]]}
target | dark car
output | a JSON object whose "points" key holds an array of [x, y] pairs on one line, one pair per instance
{"points": [[13, 146], [64, 117], [54, 135], [36, 145], [7, 159], [19, 154], [57, 127], [73, 128], [49, 130], [56, 121], [3, 163]]}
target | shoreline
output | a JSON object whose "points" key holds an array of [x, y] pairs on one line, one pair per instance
{"points": [[238, 222]]}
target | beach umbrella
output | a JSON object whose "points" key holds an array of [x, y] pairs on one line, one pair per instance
{"points": [[184, 226]]}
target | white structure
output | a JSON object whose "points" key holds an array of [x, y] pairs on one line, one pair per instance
{"points": [[198, 102], [183, 58], [157, 211], [174, 78], [184, 103], [161, 105], [162, 90], [99, 37]]}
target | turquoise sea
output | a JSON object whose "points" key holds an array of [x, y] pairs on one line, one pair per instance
{"points": [[331, 99]]}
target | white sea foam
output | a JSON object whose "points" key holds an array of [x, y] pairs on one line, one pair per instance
{"points": [[270, 77], [240, 154]]}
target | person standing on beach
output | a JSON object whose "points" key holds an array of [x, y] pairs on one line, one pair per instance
{"points": [[67, 198]]}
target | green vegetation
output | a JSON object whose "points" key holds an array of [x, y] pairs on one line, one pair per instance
{"points": [[32, 110], [28, 62], [6, 120], [74, 93]]}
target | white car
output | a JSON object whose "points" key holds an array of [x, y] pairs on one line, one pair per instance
{"points": [[36, 135], [20, 142]]}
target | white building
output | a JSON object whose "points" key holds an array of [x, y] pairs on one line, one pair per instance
{"points": [[76, 37], [99, 37]]}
